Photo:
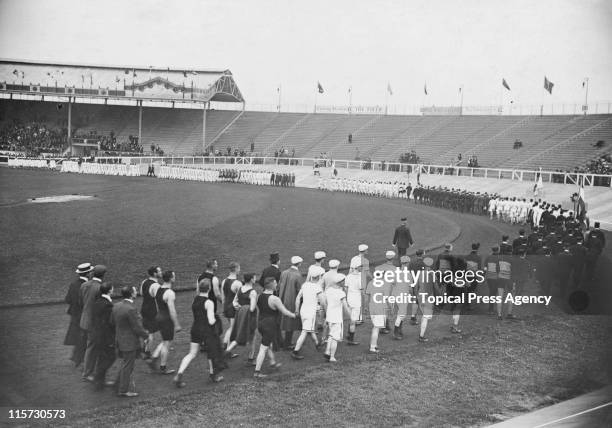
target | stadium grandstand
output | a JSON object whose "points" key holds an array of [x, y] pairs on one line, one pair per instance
{"points": [[60, 109]]}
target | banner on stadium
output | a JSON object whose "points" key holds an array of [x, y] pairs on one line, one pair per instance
{"points": [[350, 109], [441, 111]]}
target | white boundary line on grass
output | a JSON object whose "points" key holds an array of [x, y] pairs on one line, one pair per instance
{"points": [[575, 414]]}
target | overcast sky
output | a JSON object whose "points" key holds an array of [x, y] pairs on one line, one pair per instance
{"points": [[363, 44]]}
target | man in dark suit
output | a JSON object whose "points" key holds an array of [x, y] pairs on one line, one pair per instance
{"points": [[402, 238], [271, 271], [103, 333], [89, 292], [74, 335], [128, 334]]}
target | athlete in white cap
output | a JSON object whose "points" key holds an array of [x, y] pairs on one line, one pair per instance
{"points": [[376, 290], [336, 307], [366, 275], [353, 297], [306, 302]]}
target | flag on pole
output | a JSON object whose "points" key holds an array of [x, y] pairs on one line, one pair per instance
{"points": [[581, 200], [350, 89], [539, 185], [505, 84], [320, 88], [389, 88], [460, 88], [425, 88], [548, 85]]}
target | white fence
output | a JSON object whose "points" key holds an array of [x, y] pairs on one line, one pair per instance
{"points": [[101, 168], [32, 163], [496, 173]]}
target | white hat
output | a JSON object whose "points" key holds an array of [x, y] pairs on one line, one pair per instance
{"points": [[319, 255], [333, 263], [355, 263], [296, 259], [84, 268], [339, 278], [362, 247], [315, 271], [390, 254]]}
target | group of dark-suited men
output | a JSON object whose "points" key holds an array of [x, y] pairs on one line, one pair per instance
{"points": [[100, 330]]}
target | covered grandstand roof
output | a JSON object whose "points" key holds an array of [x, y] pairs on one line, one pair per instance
{"points": [[147, 83]]}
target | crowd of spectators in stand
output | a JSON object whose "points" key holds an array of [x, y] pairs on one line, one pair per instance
{"points": [[155, 150], [410, 157], [33, 139], [473, 162], [110, 144]]}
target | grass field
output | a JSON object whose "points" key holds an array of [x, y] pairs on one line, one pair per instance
{"points": [[492, 371]]}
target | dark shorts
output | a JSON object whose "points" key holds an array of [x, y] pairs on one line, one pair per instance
{"points": [[150, 325], [166, 328], [229, 312], [267, 328], [506, 284], [199, 334]]}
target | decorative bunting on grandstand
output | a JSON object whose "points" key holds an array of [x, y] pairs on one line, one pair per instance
{"points": [[319, 87], [505, 84], [548, 85]]}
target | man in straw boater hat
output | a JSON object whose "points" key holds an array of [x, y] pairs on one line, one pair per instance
{"points": [[74, 335], [309, 296], [88, 292]]}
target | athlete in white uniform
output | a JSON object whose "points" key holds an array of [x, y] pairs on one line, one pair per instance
{"points": [[310, 295]]}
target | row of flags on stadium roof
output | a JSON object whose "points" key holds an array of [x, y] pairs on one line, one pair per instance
{"points": [[548, 86]]}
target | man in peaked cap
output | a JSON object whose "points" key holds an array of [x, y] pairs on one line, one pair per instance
{"points": [[74, 335], [291, 281], [402, 239], [272, 271]]}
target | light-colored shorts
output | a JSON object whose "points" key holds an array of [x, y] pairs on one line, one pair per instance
{"points": [[356, 314], [335, 331], [427, 309], [309, 323], [378, 320]]}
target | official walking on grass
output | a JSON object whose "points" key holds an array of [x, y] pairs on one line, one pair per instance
{"points": [[129, 333], [75, 336]]}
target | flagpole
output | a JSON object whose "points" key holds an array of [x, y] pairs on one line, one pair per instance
{"points": [[543, 95], [586, 96], [350, 99], [279, 97], [316, 94], [387, 99], [461, 105]]}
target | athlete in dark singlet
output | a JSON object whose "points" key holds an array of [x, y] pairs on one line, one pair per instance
{"points": [[270, 307], [203, 330], [148, 288]]}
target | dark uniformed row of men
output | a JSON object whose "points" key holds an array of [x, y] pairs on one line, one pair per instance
{"points": [[455, 199], [282, 179]]}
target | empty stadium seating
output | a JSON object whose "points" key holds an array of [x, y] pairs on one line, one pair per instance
{"points": [[551, 142]]}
